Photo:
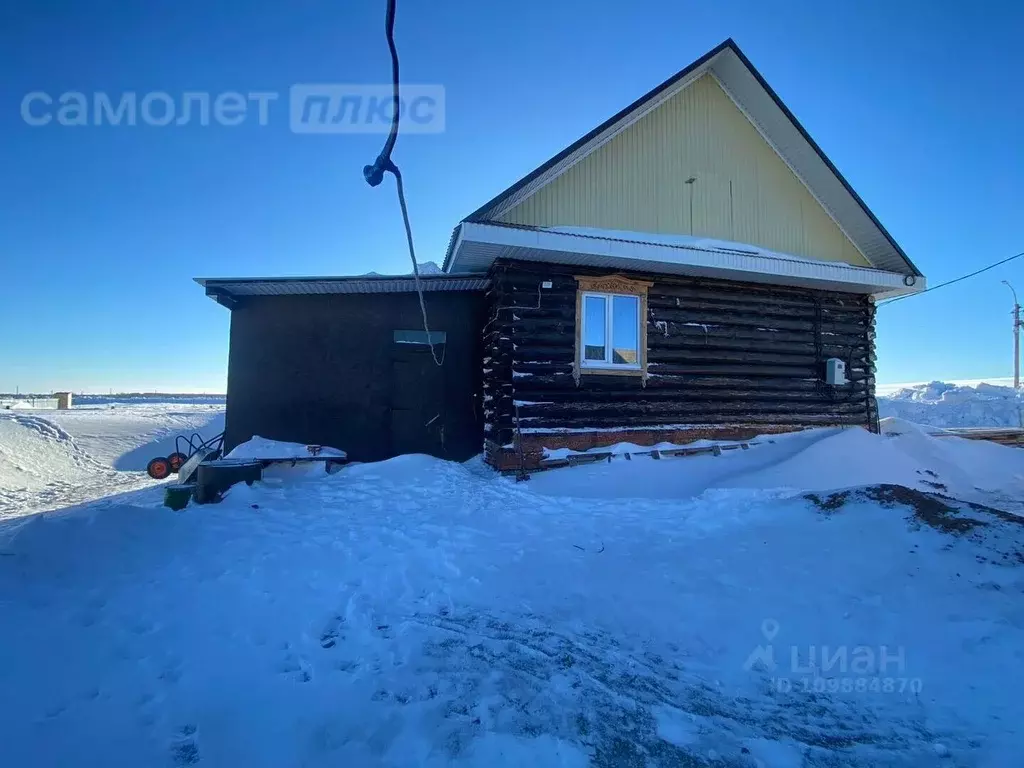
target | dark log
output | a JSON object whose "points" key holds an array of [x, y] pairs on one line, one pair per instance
{"points": [[671, 334], [811, 372], [516, 314], [693, 319], [659, 304], [683, 295], [703, 355], [660, 398], [723, 344], [630, 407], [653, 420]]}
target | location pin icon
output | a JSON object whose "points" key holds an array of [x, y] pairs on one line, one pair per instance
{"points": [[769, 628]]}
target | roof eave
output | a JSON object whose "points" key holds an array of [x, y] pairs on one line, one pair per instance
{"points": [[480, 244], [228, 291]]}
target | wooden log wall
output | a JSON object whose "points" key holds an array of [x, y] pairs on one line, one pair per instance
{"points": [[720, 353]]}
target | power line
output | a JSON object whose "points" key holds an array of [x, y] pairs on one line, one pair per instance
{"points": [[956, 280]]}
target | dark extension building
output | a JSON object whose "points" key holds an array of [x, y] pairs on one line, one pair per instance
{"points": [[695, 267]]}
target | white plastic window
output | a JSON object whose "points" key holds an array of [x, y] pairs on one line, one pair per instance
{"points": [[611, 331]]}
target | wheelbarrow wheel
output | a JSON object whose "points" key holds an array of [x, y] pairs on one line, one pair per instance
{"points": [[159, 468], [176, 459]]}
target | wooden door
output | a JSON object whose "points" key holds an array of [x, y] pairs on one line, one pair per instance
{"points": [[417, 402]]}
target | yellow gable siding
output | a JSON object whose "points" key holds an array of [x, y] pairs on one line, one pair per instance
{"points": [[743, 190]]}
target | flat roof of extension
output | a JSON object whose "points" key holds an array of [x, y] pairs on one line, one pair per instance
{"points": [[225, 290]]}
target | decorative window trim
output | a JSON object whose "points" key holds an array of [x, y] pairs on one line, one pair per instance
{"points": [[611, 285]]}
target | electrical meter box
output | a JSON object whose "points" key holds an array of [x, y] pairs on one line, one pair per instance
{"points": [[835, 372]]}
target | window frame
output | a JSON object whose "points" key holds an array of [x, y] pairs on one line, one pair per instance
{"points": [[609, 327], [608, 287], [419, 338]]}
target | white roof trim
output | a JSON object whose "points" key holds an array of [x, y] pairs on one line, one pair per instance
{"points": [[478, 245], [755, 99], [308, 286]]}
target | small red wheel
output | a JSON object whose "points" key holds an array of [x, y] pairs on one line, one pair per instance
{"points": [[159, 468], [176, 459]]}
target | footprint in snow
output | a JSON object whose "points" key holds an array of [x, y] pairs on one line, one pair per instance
{"points": [[332, 632], [297, 668], [184, 747]]}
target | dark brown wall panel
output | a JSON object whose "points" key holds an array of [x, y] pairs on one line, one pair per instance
{"points": [[319, 369]]}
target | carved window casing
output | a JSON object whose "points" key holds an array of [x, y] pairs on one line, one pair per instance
{"points": [[611, 327]]}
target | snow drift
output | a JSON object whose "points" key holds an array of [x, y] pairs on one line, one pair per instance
{"points": [[258, 447], [53, 459], [941, 404], [418, 612]]}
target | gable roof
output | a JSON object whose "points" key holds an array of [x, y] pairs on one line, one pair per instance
{"points": [[773, 120]]}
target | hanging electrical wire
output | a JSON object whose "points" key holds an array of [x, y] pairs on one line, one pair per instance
{"points": [[950, 282], [374, 174]]}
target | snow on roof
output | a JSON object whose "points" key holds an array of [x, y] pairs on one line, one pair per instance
{"points": [[425, 268], [688, 242]]}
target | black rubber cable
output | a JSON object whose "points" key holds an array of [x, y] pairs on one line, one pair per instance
{"points": [[374, 174]]}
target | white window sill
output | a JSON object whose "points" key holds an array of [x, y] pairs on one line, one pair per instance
{"points": [[599, 368]]}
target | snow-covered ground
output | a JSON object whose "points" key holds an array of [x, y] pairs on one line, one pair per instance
{"points": [[51, 459], [945, 404], [708, 611]]}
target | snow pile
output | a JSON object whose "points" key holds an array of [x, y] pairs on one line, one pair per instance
{"points": [[814, 460], [263, 448], [631, 448], [418, 612], [942, 404], [27, 403], [52, 459], [39, 460], [688, 242], [424, 267]]}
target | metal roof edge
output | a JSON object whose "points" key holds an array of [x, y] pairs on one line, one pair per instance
{"points": [[213, 281], [452, 242]]}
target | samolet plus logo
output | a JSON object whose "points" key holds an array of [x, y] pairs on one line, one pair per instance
{"points": [[340, 108]]}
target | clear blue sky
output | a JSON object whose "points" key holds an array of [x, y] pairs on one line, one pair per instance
{"points": [[102, 228]]}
